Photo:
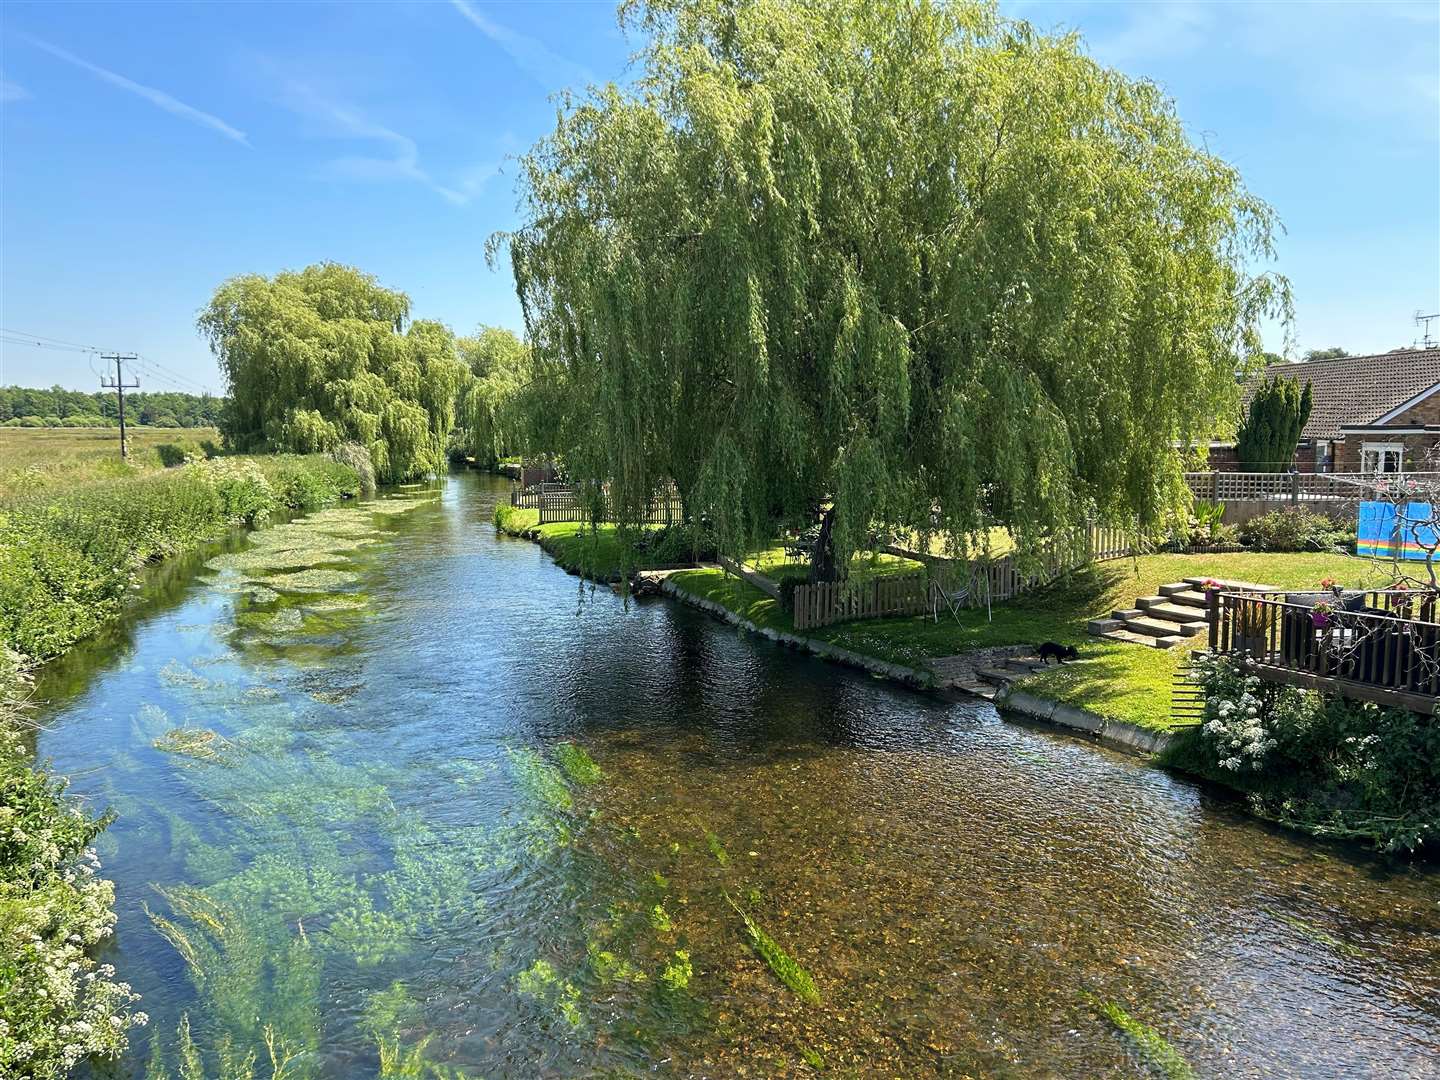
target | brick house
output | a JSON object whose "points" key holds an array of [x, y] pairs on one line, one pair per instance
{"points": [[1369, 414]]}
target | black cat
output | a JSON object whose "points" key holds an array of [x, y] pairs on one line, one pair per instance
{"points": [[1059, 653]]}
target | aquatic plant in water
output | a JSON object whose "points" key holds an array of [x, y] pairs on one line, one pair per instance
{"points": [[786, 969], [197, 744], [1157, 1051], [541, 779], [678, 971], [1314, 933], [541, 982], [717, 848], [660, 919], [577, 764]]}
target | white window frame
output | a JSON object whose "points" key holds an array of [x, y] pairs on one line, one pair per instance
{"points": [[1373, 456]]}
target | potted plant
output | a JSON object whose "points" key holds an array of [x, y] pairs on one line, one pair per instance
{"points": [[1252, 626]]}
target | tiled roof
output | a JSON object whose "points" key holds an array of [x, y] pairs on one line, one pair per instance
{"points": [[1360, 389]]}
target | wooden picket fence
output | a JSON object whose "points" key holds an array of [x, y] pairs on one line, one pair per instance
{"points": [[838, 601], [567, 505], [974, 584]]}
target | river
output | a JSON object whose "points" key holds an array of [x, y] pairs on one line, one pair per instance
{"points": [[359, 825]]}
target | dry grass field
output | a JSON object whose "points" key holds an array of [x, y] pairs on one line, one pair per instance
{"points": [[43, 459]]}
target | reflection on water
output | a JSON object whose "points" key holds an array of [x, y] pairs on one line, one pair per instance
{"points": [[410, 814]]}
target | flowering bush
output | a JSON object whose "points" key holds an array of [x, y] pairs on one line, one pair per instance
{"points": [[1321, 763], [57, 1004], [1234, 714]]}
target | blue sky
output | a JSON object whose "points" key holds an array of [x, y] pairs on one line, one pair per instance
{"points": [[148, 152]]}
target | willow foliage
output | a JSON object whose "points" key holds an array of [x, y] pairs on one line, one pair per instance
{"points": [[914, 258], [323, 357], [491, 407]]}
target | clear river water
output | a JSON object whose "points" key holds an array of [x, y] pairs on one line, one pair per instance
{"points": [[360, 834]]}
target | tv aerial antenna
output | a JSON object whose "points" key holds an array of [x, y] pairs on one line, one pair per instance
{"points": [[1423, 321]]}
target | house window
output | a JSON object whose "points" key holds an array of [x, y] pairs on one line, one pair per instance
{"points": [[1381, 457]]}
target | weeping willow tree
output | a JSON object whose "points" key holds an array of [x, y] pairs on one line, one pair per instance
{"points": [[906, 264], [491, 412], [323, 357]]}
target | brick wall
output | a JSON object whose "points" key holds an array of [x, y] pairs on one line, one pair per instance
{"points": [[1420, 450], [1225, 459]]}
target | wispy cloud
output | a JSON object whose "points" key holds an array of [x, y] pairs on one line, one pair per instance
{"points": [[158, 98], [402, 158], [1154, 30], [10, 91], [531, 55]]}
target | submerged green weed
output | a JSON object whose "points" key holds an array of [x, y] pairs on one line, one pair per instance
{"points": [[786, 969], [1314, 933], [541, 982], [610, 968], [1157, 1051], [660, 919], [541, 779], [813, 1057], [717, 848], [678, 971], [577, 764], [197, 744]]}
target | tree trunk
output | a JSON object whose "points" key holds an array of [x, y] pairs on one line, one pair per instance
{"points": [[823, 567]]}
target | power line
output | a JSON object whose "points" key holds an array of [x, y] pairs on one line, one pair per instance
{"points": [[119, 385]]}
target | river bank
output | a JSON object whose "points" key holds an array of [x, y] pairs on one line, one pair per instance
{"points": [[424, 811], [71, 559], [1320, 780]]}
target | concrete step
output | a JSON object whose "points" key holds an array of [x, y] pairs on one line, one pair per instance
{"points": [[1025, 667], [997, 676], [1101, 626], [1127, 613], [979, 689], [1234, 586], [1163, 627], [1141, 639], [1190, 598], [1175, 587], [1179, 613]]}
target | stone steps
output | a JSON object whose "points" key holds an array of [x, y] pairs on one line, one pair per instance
{"points": [[1162, 608], [1163, 627], [1131, 638]]}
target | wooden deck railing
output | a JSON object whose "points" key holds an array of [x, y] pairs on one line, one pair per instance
{"points": [[1379, 646], [1297, 487]]}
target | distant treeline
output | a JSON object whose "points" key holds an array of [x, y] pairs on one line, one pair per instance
{"points": [[22, 406]]}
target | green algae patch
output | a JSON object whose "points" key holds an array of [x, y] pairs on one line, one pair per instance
{"points": [[541, 780], [660, 919], [717, 848], [1157, 1050], [541, 983], [577, 764], [1314, 933], [678, 971], [312, 580], [786, 968], [197, 744]]}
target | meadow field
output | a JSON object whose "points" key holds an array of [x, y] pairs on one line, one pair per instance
{"points": [[44, 459]]}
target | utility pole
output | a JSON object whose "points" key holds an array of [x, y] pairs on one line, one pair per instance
{"points": [[119, 385]]}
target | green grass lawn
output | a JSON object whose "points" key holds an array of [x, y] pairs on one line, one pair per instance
{"points": [[599, 553], [774, 563]]}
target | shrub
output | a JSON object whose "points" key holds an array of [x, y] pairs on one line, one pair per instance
{"points": [[688, 543], [1293, 530], [57, 1005], [68, 558], [1320, 762], [789, 581]]}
